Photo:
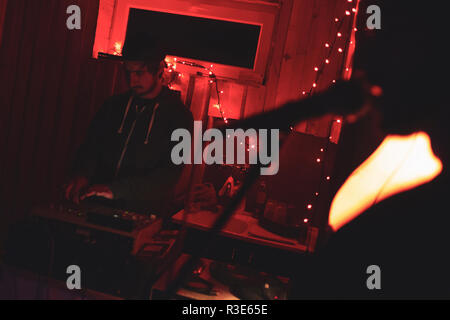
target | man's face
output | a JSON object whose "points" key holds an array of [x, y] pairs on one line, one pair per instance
{"points": [[140, 80]]}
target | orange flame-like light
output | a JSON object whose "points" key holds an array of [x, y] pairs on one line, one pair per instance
{"points": [[399, 164]]}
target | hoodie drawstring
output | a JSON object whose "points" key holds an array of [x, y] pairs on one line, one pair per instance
{"points": [[125, 114], [150, 125]]}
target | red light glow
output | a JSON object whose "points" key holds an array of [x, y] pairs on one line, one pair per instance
{"points": [[376, 91]]}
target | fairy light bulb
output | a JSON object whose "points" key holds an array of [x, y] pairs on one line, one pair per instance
{"points": [[316, 69], [117, 48], [340, 50], [376, 91], [347, 13], [314, 85], [309, 206], [336, 19], [354, 9], [327, 45], [327, 61], [339, 34], [318, 160], [305, 220]]}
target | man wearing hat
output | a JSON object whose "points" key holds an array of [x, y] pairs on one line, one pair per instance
{"points": [[125, 157]]}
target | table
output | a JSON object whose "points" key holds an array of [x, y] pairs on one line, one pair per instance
{"points": [[242, 226]]}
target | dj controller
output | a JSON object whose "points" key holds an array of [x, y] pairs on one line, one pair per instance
{"points": [[96, 217], [120, 253], [100, 240]]}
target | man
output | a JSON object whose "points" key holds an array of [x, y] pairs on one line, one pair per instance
{"points": [[125, 157]]}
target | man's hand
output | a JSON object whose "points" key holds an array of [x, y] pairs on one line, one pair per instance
{"points": [[98, 190], [75, 187]]}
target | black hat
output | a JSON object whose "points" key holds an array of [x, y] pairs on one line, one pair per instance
{"points": [[142, 47]]}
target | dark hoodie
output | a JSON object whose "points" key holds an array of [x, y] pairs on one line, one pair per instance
{"points": [[145, 178]]}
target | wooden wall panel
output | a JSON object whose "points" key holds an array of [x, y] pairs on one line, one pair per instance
{"points": [[47, 96], [50, 87], [311, 24], [3, 4]]}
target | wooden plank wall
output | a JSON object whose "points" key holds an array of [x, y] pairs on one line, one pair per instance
{"points": [[50, 87], [3, 4], [310, 24], [49, 91]]}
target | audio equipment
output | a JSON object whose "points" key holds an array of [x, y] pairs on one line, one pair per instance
{"points": [[116, 250]]}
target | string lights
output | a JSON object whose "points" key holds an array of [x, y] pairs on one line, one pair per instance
{"points": [[212, 79], [333, 47], [319, 70]]}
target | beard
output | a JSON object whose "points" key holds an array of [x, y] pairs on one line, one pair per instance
{"points": [[141, 92]]}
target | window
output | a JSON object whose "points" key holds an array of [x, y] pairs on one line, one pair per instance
{"points": [[234, 35]]}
